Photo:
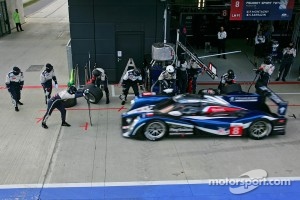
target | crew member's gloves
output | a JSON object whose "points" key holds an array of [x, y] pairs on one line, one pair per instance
{"points": [[56, 85]]}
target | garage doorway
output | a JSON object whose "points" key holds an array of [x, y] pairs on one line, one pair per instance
{"points": [[129, 45], [4, 21]]}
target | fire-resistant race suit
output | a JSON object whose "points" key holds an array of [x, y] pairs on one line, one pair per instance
{"points": [[57, 102], [100, 79], [14, 84], [132, 78], [46, 78], [167, 80]]}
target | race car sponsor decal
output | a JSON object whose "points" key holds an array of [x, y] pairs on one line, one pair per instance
{"points": [[243, 99], [206, 117], [214, 109], [236, 129], [180, 129], [219, 131], [179, 124], [222, 131]]}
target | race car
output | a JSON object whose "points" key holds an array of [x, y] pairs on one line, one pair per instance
{"points": [[153, 116]]}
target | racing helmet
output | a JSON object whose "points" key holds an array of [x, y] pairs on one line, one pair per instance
{"points": [[49, 67], [16, 70], [96, 72], [72, 89], [268, 60], [230, 73], [170, 69]]}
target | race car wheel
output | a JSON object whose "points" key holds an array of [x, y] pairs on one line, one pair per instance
{"points": [[155, 130], [95, 93], [260, 129]]}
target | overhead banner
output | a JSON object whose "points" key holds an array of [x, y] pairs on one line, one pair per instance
{"points": [[261, 10]]}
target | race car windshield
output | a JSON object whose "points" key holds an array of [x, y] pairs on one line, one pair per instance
{"points": [[167, 109], [164, 104]]}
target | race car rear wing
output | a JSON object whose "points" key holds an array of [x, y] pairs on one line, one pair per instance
{"points": [[282, 105]]}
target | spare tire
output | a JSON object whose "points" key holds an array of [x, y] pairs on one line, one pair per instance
{"points": [[70, 102], [95, 93]]}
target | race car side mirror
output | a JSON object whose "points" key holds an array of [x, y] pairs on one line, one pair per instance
{"points": [[175, 113]]}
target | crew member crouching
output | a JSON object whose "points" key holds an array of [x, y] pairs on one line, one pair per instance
{"points": [[132, 78], [167, 80], [226, 79]]}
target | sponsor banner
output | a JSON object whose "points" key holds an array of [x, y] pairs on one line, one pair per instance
{"points": [[261, 10]]}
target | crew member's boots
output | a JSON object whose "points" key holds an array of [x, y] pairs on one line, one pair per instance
{"points": [[107, 99], [16, 109], [278, 77], [44, 125], [20, 103], [123, 98], [65, 124]]}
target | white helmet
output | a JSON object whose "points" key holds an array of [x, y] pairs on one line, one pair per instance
{"points": [[170, 69]]}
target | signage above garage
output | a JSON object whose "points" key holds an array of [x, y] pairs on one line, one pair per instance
{"points": [[261, 10]]}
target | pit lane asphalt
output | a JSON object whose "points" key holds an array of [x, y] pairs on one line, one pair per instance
{"points": [[97, 154]]}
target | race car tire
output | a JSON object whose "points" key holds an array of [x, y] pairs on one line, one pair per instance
{"points": [[155, 130], [259, 129], [95, 93], [70, 103]]}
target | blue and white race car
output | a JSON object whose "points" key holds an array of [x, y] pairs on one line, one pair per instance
{"points": [[154, 117]]}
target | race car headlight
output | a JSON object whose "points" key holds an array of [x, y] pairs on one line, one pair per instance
{"points": [[128, 120], [132, 102], [134, 123]]}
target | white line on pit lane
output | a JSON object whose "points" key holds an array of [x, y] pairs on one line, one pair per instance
{"points": [[134, 183], [296, 93]]}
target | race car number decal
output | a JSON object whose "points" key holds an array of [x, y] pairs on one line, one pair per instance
{"points": [[236, 131]]}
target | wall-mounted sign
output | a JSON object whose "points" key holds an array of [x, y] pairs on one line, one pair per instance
{"points": [[261, 10]]}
